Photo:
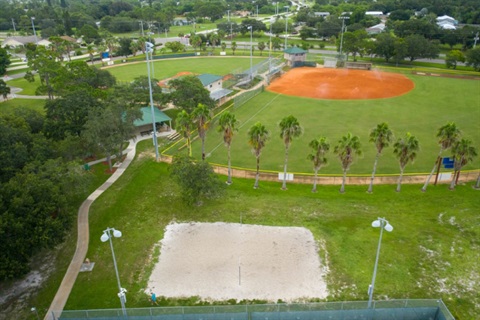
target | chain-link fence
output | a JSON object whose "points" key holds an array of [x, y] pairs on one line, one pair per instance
{"points": [[242, 98], [241, 76], [381, 310]]}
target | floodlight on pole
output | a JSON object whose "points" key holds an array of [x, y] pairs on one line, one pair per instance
{"points": [[343, 30], [251, 52], [149, 49], [107, 236], [382, 224], [286, 25]]}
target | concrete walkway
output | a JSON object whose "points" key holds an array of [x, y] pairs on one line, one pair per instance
{"points": [[68, 281]]}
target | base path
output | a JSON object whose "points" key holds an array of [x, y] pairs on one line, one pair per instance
{"points": [[323, 83]]}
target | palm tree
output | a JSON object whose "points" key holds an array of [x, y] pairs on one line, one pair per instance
{"points": [[184, 124], [447, 135], [381, 135], [463, 153], [202, 115], [348, 146], [289, 129], [227, 123], [319, 148], [257, 138], [91, 51], [406, 151]]}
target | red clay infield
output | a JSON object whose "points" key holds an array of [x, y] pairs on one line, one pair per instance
{"points": [[323, 83]]}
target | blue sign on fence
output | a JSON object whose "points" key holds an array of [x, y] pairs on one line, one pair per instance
{"points": [[448, 163]]}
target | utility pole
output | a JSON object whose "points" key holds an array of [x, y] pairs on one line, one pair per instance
{"points": [[15, 30], [141, 24], [286, 25]]}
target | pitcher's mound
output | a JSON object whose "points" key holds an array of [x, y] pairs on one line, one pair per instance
{"points": [[326, 83], [220, 261]]}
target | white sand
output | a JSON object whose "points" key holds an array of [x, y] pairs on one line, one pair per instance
{"points": [[220, 261]]}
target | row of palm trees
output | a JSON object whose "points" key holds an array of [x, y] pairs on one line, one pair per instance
{"points": [[346, 149]]}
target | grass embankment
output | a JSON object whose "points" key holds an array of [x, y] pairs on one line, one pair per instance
{"points": [[432, 253]]}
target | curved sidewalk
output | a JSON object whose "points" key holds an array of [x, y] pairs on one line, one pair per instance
{"points": [[68, 281]]}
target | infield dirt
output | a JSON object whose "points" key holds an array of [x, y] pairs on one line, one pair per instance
{"points": [[323, 83]]}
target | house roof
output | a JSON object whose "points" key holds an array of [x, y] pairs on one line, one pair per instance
{"points": [[207, 78], [445, 17], [19, 40], [294, 50], [147, 117], [69, 39]]}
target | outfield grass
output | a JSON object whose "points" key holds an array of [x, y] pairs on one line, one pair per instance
{"points": [[433, 251], [422, 111], [168, 68]]}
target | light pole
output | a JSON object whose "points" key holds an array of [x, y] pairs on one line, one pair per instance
{"points": [[270, 53], [33, 309], [149, 49], [286, 25], [343, 28], [34, 32], [251, 52], [107, 236], [383, 224]]}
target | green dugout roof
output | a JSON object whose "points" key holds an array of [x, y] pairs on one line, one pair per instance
{"points": [[147, 116]]}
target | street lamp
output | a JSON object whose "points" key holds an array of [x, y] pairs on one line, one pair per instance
{"points": [[270, 53], [343, 29], [251, 52], [34, 32], [383, 224], [33, 309], [286, 24], [149, 49], [107, 236]]}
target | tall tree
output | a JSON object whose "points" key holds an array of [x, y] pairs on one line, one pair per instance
{"points": [[201, 117], [257, 138], [405, 149], [289, 129], [319, 148], [197, 180], [472, 58], [346, 149], [4, 89], [184, 124], [463, 152], [188, 93], [227, 124], [4, 61], [447, 135], [381, 135]]}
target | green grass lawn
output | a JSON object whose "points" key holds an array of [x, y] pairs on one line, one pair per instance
{"points": [[168, 68], [422, 111], [28, 88], [34, 104], [433, 251]]}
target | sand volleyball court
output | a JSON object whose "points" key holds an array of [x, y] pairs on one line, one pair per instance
{"points": [[221, 261]]}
